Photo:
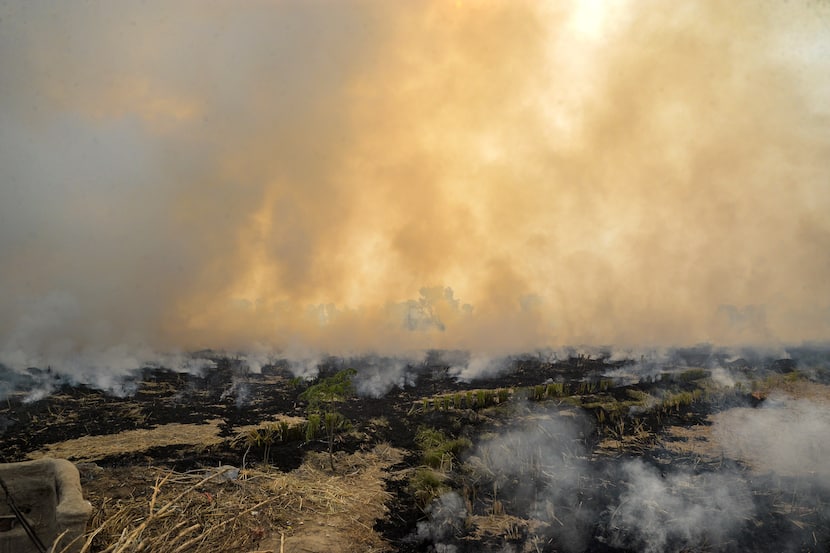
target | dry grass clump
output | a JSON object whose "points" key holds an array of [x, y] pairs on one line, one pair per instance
{"points": [[796, 385], [507, 527], [224, 509], [90, 448], [178, 512]]}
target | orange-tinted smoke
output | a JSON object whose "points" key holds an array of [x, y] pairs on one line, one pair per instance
{"points": [[371, 176]]}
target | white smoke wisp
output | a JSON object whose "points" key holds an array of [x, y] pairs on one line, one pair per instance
{"points": [[723, 378], [542, 464], [672, 512], [376, 376], [479, 367], [446, 520], [787, 436]]}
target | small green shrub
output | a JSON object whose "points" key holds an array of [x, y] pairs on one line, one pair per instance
{"points": [[637, 395], [681, 399], [438, 451], [692, 374], [312, 429], [481, 399], [554, 389], [426, 484]]}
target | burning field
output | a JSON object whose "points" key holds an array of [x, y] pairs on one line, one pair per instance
{"points": [[688, 452], [454, 275]]}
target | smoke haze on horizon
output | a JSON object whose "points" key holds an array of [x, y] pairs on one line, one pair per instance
{"points": [[358, 176]]}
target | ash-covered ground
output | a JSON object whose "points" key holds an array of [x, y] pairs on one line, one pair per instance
{"points": [[690, 450]]}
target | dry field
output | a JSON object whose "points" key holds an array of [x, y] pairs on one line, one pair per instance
{"points": [[544, 457]]}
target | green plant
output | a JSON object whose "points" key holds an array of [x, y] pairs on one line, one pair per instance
{"points": [[284, 431], [680, 399], [637, 395], [329, 391], [692, 374], [322, 399], [269, 434], [333, 424], [554, 389], [426, 484], [312, 427], [439, 451], [250, 439]]}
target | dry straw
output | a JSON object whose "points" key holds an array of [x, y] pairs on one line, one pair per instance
{"points": [[248, 511]]}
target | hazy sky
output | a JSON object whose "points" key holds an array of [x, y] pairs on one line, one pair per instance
{"points": [[388, 176]]}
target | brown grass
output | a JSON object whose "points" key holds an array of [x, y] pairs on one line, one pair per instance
{"points": [[149, 509], [90, 448]]}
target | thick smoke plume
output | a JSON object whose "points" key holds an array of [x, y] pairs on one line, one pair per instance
{"points": [[357, 176]]}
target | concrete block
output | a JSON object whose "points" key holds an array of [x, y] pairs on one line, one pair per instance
{"points": [[48, 493]]}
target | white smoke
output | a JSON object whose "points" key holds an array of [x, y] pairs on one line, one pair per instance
{"points": [[542, 463], [662, 512], [790, 437], [446, 520], [376, 376]]}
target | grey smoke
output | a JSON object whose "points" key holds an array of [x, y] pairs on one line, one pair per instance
{"points": [[378, 375], [787, 436], [542, 462], [301, 175], [446, 519], [541, 466], [662, 512]]}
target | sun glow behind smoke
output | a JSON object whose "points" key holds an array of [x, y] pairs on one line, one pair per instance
{"points": [[360, 176]]}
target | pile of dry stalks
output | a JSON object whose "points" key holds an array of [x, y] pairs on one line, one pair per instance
{"points": [[225, 509]]}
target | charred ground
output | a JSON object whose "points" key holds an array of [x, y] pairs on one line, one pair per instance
{"points": [[543, 455]]}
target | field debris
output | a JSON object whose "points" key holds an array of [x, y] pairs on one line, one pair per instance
{"points": [[157, 510]]}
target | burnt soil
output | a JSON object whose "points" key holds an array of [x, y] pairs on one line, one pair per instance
{"points": [[228, 392]]}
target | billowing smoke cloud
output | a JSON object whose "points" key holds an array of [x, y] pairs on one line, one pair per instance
{"points": [[367, 176]]}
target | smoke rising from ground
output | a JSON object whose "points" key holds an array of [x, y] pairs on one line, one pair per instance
{"points": [[363, 176], [541, 467], [787, 437], [659, 512]]}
